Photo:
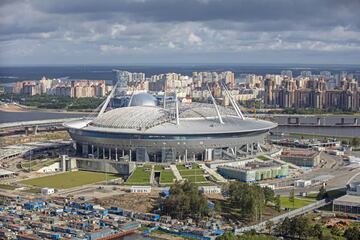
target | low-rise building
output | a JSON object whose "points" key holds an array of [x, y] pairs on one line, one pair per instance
{"points": [[47, 191], [210, 189], [350, 203], [254, 171], [140, 189], [302, 183], [302, 158]]}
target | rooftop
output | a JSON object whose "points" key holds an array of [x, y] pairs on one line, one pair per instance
{"points": [[350, 200], [299, 153]]}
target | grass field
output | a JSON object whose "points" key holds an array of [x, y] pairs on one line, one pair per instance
{"points": [[69, 179], [140, 176], [196, 179], [166, 177], [263, 157], [195, 174], [7, 187], [36, 165], [299, 202]]}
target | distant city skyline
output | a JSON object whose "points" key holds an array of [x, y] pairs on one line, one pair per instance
{"points": [[178, 32]]}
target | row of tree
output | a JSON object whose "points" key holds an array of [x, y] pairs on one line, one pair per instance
{"points": [[185, 200], [301, 227], [251, 199]]}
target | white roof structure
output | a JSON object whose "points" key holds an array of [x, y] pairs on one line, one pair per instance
{"points": [[138, 117], [4, 172]]}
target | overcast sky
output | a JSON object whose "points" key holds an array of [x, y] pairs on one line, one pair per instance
{"points": [[179, 31]]}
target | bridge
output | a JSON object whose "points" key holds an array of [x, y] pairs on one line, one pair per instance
{"points": [[33, 127], [300, 211], [313, 120]]}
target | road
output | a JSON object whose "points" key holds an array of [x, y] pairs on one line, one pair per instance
{"points": [[337, 172]]}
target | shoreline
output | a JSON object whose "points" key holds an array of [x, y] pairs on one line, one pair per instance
{"points": [[14, 108]]}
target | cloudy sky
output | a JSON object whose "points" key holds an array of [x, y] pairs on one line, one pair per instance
{"points": [[179, 31]]}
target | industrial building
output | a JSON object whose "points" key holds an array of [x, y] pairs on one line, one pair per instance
{"points": [[146, 130], [302, 158], [254, 171], [350, 203]]}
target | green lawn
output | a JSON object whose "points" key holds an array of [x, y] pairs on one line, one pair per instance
{"points": [[36, 165], [158, 167], [166, 177], [141, 176], [181, 167], [195, 174], [196, 179], [69, 179], [299, 202], [7, 187], [191, 172], [263, 157]]}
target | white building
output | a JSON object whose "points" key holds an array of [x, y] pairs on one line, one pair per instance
{"points": [[210, 189], [302, 183], [354, 189], [140, 189], [47, 191]]}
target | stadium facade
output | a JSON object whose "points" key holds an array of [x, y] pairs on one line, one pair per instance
{"points": [[146, 130]]}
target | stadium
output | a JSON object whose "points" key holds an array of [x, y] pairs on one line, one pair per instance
{"points": [[147, 129]]}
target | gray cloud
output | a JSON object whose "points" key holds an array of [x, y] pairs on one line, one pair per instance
{"points": [[113, 30]]}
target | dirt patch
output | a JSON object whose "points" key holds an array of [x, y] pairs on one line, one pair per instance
{"points": [[11, 108], [131, 201]]}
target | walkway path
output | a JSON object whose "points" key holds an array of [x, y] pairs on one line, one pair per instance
{"points": [[176, 172], [213, 173], [262, 225]]}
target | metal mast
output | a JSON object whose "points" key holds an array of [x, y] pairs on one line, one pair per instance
{"points": [[215, 105], [120, 88], [232, 101]]}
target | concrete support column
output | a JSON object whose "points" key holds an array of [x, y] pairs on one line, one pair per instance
{"points": [[130, 156], [103, 153], [318, 121], [186, 155], [208, 155], [116, 154], [355, 121], [85, 149], [92, 150], [26, 131], [35, 129], [109, 153], [123, 153], [97, 152]]}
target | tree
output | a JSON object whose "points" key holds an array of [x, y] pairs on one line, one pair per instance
{"points": [[322, 193], [269, 194], [277, 203], [317, 231], [248, 198], [227, 236], [355, 142], [185, 200], [297, 227], [292, 197], [335, 231], [269, 225], [352, 233]]}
